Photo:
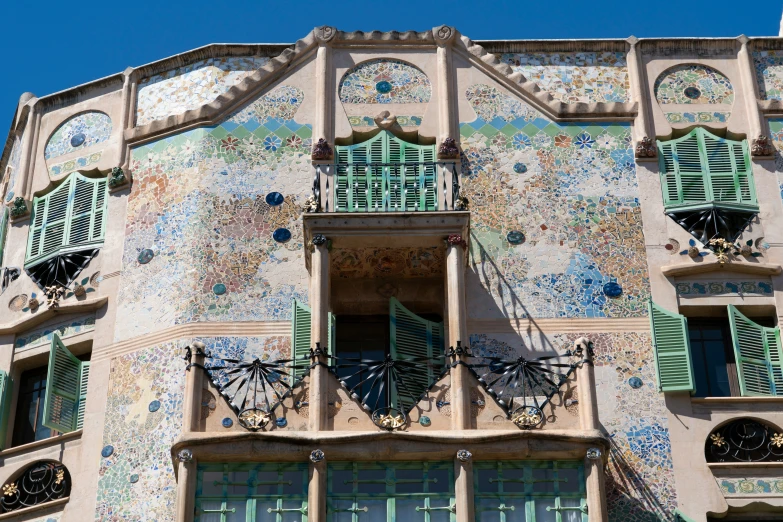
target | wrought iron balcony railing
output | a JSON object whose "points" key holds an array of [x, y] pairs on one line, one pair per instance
{"points": [[386, 187]]}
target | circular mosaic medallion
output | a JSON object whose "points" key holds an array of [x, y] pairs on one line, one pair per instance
{"points": [[692, 92], [520, 168], [612, 289], [425, 421], [17, 303], [274, 199], [281, 422], [145, 256], [77, 140], [227, 423], [133, 478], [219, 289], [515, 237], [107, 451], [635, 383], [154, 406], [281, 235], [383, 87]]}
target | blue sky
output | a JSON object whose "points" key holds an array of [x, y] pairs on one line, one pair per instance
{"points": [[50, 46]]}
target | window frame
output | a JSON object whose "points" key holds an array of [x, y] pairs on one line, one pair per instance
{"points": [[15, 442], [728, 351]]}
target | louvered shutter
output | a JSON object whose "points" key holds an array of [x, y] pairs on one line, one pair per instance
{"points": [[300, 336], [759, 356], [413, 337], [429, 174], [341, 185], [66, 382], [672, 350], [332, 333], [84, 377], [49, 222], [6, 391], [3, 232]]}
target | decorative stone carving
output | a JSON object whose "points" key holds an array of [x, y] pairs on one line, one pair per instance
{"points": [[317, 456], [311, 204], [322, 150], [464, 455], [79, 290], [594, 453], [117, 177], [385, 120], [761, 146], [319, 239], [53, 295], [646, 148], [448, 149], [325, 33], [443, 34], [456, 240], [185, 455], [33, 304], [19, 208]]}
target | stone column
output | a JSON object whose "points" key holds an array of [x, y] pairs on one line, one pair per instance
{"points": [[194, 382], [127, 118], [186, 486], [447, 101], [24, 179], [316, 492], [319, 332], [458, 331], [323, 127], [463, 486], [643, 126], [585, 381], [756, 125], [596, 490]]}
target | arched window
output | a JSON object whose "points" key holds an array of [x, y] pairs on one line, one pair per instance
{"points": [[744, 440], [40, 483]]}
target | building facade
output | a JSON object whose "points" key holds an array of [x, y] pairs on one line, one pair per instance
{"points": [[398, 276]]}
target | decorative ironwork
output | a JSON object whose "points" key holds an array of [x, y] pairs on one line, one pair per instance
{"points": [[645, 148], [322, 151], [117, 177], [527, 417], [8, 276], [62, 269], [448, 149], [761, 146], [713, 222], [19, 207], [459, 351], [40, 483], [744, 440], [464, 455]]}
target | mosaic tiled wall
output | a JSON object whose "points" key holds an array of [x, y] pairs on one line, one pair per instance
{"points": [[572, 77], [79, 132], [725, 288], [697, 117], [65, 329], [555, 213], [640, 480], [750, 487], [693, 84], [137, 481], [769, 74], [384, 262], [12, 169], [203, 203], [82, 162], [385, 81], [189, 87]]}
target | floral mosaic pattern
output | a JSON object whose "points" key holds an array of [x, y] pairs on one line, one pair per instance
{"points": [[385, 81], [573, 77], [142, 439], [43, 336], [571, 190], [12, 169], [62, 169], [694, 84], [742, 487], [198, 201], [697, 117], [369, 121], [80, 132], [769, 74], [725, 288], [383, 262], [640, 479], [189, 87]]}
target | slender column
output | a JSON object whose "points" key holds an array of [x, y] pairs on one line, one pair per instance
{"points": [[186, 486], [458, 331], [585, 378], [747, 77], [191, 417], [316, 492], [24, 179], [319, 332], [127, 106], [323, 127], [447, 101], [463, 486], [596, 490], [638, 83]]}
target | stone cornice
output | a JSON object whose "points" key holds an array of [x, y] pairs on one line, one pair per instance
{"points": [[692, 268], [30, 320]]}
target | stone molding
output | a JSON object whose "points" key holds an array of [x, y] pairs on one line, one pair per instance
{"points": [[686, 269], [30, 320]]}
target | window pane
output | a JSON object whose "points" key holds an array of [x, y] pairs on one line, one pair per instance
{"points": [[377, 478], [268, 483], [376, 510], [571, 515], [210, 505], [292, 516], [296, 478], [342, 481], [546, 478], [708, 353], [571, 477], [487, 510], [208, 487], [513, 480], [542, 515], [238, 514], [442, 515], [340, 511], [410, 480], [263, 513], [238, 483], [443, 484], [484, 484], [518, 513], [717, 371], [406, 509]]}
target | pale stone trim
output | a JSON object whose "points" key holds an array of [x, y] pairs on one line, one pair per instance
{"points": [[31, 320], [38, 444], [692, 268], [560, 325], [32, 509]]}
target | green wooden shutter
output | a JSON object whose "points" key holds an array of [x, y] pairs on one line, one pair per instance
{"points": [[412, 337], [672, 349], [3, 231], [332, 333], [759, 356], [66, 389], [6, 391], [300, 336]]}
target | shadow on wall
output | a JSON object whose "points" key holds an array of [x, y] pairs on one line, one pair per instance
{"points": [[622, 480]]}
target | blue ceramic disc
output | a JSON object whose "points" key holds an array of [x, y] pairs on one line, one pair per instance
{"points": [[515, 237], [692, 92], [227, 423], [145, 256], [281, 235], [219, 289], [133, 478], [274, 199], [78, 139], [425, 421], [281, 422], [107, 451], [520, 168], [154, 406], [612, 289], [635, 383], [383, 87]]}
